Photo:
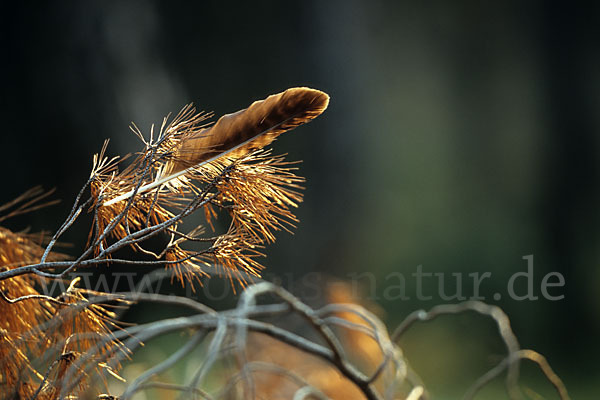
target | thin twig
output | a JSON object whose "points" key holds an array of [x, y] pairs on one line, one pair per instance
{"points": [[501, 319]]}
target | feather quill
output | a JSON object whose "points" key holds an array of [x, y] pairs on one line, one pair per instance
{"points": [[234, 135]]}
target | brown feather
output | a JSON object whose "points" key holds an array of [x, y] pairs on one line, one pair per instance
{"points": [[234, 135], [252, 128]]}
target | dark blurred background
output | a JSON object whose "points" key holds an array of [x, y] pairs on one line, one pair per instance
{"points": [[461, 136]]}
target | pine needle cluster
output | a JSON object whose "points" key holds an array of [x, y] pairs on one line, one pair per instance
{"points": [[41, 335], [256, 191]]}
